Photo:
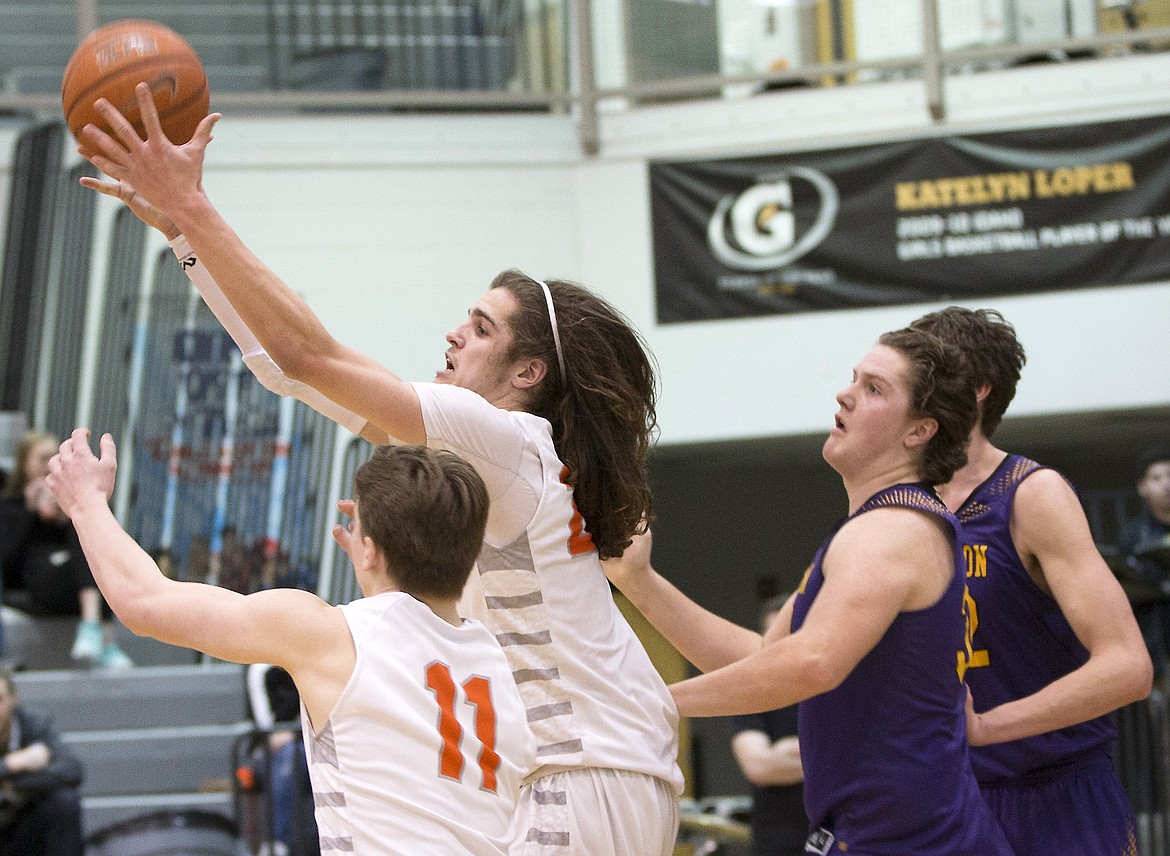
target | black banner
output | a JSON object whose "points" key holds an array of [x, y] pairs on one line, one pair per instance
{"points": [[953, 218]]}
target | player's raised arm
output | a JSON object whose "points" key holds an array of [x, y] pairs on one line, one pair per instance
{"points": [[284, 626], [879, 565], [704, 638], [169, 177]]}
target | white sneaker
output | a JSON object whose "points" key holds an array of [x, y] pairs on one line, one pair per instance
{"points": [[87, 644], [114, 658]]}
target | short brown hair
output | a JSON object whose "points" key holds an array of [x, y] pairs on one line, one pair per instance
{"points": [[426, 510], [942, 388], [993, 352]]}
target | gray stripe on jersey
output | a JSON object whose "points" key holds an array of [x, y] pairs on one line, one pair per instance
{"points": [[336, 845], [541, 638], [516, 556], [522, 676], [562, 748], [324, 749], [547, 711], [518, 601], [550, 797], [334, 799], [548, 839]]}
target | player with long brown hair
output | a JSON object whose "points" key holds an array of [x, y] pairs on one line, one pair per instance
{"points": [[549, 392]]}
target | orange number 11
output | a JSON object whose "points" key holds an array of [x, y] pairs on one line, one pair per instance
{"points": [[477, 691]]}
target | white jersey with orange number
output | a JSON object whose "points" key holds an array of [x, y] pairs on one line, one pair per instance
{"points": [[425, 750], [593, 697]]}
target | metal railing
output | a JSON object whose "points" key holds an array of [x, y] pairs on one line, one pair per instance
{"points": [[516, 54], [1143, 763]]}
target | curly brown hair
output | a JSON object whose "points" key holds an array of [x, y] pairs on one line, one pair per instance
{"points": [[942, 388], [990, 345], [603, 419]]}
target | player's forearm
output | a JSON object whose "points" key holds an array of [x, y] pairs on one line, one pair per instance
{"points": [[127, 576], [705, 639], [255, 357], [1109, 680], [280, 320], [779, 675]]}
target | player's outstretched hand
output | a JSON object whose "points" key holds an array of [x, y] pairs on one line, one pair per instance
{"points": [[136, 202], [631, 565], [156, 168], [77, 477]]}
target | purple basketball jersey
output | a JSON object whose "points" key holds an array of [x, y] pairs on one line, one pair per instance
{"points": [[885, 754], [1021, 641]]}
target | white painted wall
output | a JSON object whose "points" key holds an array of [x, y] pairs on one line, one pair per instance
{"points": [[391, 226]]}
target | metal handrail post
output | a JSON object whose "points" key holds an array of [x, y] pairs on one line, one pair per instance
{"points": [[932, 69], [87, 18], [587, 127]]}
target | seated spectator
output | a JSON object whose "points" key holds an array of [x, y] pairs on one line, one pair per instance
{"points": [[273, 699], [44, 569], [40, 780], [1145, 542], [198, 569], [234, 571]]}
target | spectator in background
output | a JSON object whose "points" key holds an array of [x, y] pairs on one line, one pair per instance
{"points": [[768, 753], [273, 699], [1145, 542], [40, 780], [234, 571], [41, 557], [198, 568]]}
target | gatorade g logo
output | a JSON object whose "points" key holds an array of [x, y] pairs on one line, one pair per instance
{"points": [[758, 230]]}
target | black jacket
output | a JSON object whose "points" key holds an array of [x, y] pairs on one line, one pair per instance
{"points": [[64, 768]]}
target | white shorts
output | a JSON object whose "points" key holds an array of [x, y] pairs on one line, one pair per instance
{"points": [[595, 812]]}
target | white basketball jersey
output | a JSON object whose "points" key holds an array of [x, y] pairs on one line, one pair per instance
{"points": [[425, 750], [592, 695]]}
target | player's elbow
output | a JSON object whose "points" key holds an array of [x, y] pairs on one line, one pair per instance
{"points": [[1138, 678], [297, 355], [304, 349], [135, 616], [139, 612], [822, 672]]}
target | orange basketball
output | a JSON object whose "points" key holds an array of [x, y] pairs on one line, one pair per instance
{"points": [[113, 59]]}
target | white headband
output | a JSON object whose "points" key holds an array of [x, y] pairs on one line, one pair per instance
{"points": [[552, 317]]}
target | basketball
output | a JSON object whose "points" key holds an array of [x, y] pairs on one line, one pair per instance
{"points": [[113, 59]]}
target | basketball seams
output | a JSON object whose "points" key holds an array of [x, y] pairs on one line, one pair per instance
{"points": [[151, 60]]}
